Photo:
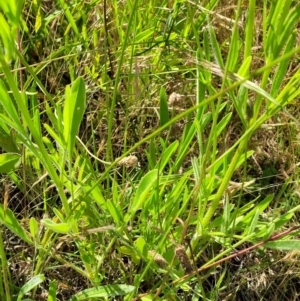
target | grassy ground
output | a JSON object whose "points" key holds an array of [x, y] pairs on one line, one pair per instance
{"points": [[149, 150]]}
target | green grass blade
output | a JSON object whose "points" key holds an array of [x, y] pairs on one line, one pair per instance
{"points": [[214, 44], [165, 158], [249, 29], [7, 39], [142, 193], [9, 106], [106, 291], [163, 112], [56, 227], [73, 112], [283, 66], [31, 284], [52, 291], [69, 17], [34, 230], [10, 221], [284, 245], [233, 56]]}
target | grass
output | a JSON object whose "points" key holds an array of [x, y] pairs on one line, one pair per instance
{"points": [[149, 150]]}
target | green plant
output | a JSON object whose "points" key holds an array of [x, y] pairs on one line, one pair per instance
{"points": [[158, 230]]}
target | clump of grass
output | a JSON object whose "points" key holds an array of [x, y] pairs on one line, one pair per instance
{"points": [[130, 131]]}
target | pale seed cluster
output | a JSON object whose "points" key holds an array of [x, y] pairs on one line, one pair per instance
{"points": [[129, 161]]}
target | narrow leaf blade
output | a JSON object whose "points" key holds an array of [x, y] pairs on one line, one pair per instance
{"points": [[9, 220], [32, 283], [73, 112], [164, 112], [103, 291]]}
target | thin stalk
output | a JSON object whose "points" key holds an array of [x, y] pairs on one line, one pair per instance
{"points": [[5, 273], [109, 154], [224, 184]]}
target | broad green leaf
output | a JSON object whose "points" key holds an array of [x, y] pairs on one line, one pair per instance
{"points": [[164, 111], [140, 244], [8, 219], [146, 183], [73, 112], [7, 141], [286, 245], [130, 252], [9, 161], [32, 283], [52, 291], [57, 228], [106, 291]]}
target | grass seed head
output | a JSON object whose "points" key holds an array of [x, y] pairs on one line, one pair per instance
{"points": [[183, 259], [158, 259], [175, 100], [129, 161]]}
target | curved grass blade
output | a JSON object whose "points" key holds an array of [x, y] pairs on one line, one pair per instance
{"points": [[55, 227], [31, 284]]}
